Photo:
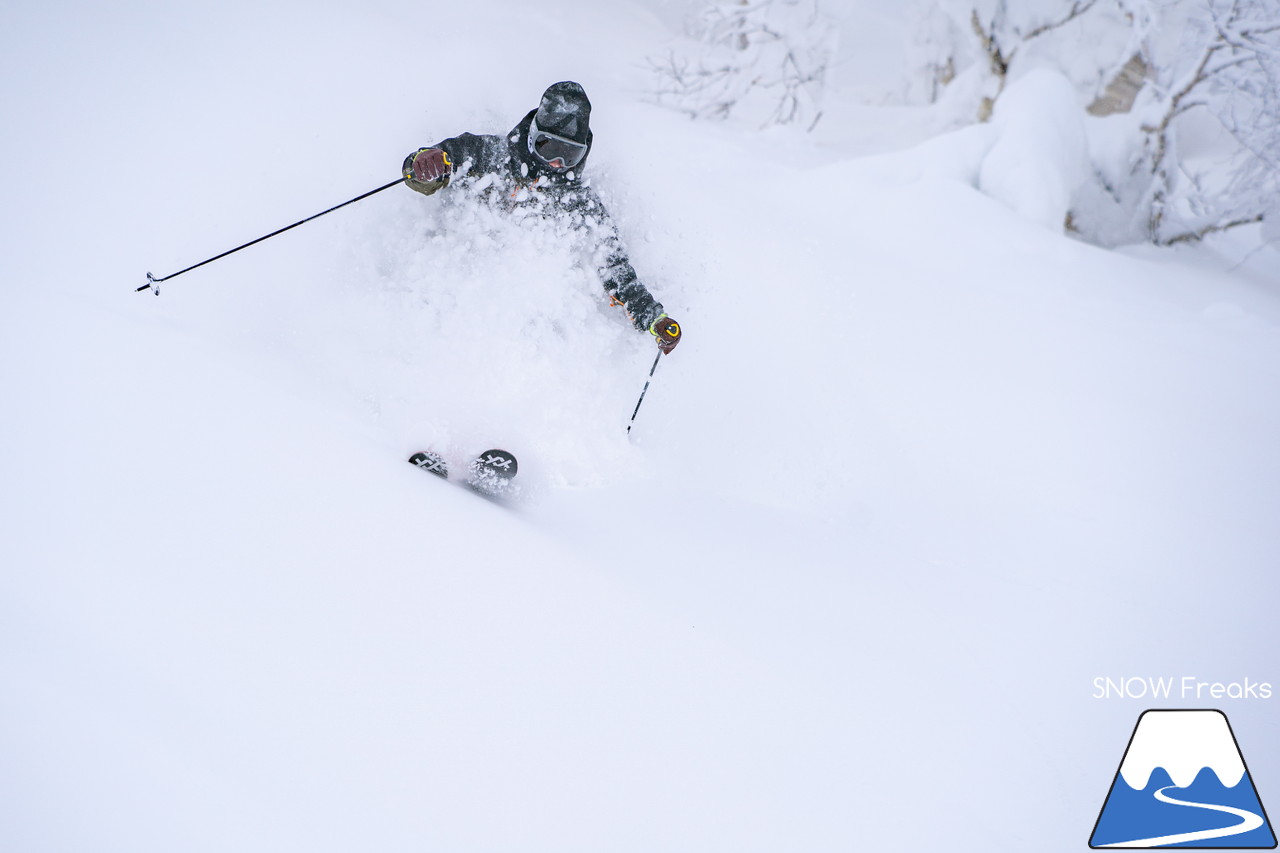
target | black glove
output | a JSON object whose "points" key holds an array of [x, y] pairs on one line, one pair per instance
{"points": [[667, 331]]}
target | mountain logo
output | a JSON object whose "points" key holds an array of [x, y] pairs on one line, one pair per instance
{"points": [[1183, 783]]}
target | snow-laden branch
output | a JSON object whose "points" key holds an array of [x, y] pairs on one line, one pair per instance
{"points": [[1161, 68], [763, 60], [1077, 9]]}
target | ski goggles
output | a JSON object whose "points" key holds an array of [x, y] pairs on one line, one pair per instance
{"points": [[556, 151]]}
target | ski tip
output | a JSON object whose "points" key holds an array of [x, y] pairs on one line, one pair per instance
{"points": [[431, 462], [501, 462], [491, 473]]}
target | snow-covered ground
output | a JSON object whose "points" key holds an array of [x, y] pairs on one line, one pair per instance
{"points": [[922, 469]]}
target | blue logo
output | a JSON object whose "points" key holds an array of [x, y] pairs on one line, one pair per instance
{"points": [[1183, 783]]}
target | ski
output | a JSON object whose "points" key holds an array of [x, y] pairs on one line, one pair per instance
{"points": [[431, 462], [491, 474]]}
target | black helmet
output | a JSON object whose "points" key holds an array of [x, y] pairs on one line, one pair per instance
{"points": [[560, 133]]}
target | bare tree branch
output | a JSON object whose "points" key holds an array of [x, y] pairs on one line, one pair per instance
{"points": [[1200, 234], [765, 57], [1077, 9]]}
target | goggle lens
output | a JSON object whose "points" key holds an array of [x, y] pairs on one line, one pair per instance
{"points": [[551, 148]]}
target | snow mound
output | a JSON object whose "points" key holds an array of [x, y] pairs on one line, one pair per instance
{"points": [[1040, 154]]}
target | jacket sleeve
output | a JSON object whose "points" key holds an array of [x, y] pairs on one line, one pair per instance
{"points": [[469, 153], [475, 154], [614, 266]]}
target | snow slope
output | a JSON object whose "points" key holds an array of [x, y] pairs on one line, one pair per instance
{"points": [[922, 469]]}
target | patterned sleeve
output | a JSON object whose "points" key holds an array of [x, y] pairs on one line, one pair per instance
{"points": [[614, 266]]}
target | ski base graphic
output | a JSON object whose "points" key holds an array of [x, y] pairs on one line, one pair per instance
{"points": [[491, 474]]}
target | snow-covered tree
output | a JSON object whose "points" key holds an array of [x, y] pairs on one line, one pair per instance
{"points": [[978, 42], [1188, 93], [1227, 65], [764, 61]]}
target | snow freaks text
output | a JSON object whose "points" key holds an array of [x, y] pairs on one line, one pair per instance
{"points": [[1184, 688]]}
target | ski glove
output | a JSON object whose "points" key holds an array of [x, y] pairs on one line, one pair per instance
{"points": [[427, 170], [667, 331]]}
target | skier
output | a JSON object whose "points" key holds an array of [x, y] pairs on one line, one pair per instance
{"points": [[540, 163]]}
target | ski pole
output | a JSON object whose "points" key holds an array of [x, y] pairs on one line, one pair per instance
{"points": [[643, 392], [152, 281]]}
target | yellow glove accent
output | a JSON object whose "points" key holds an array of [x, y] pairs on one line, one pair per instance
{"points": [[667, 331]]}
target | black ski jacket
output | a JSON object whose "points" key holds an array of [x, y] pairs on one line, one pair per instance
{"points": [[521, 178]]}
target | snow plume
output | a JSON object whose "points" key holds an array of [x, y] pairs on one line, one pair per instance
{"points": [[491, 327]]}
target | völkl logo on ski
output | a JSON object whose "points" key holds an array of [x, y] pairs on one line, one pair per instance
{"points": [[497, 462]]}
